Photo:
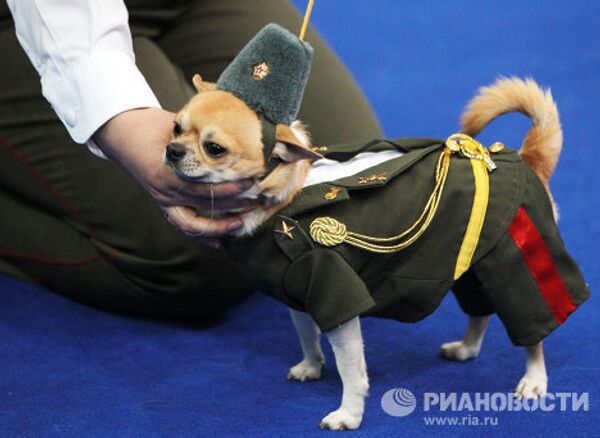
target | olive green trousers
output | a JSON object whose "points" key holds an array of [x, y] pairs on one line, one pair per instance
{"points": [[81, 226]]}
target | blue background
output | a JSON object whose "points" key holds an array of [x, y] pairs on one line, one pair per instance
{"points": [[68, 370]]}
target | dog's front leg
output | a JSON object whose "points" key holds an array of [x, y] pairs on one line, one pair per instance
{"points": [[311, 366], [347, 344]]}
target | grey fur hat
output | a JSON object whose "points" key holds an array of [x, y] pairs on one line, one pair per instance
{"points": [[270, 74]]}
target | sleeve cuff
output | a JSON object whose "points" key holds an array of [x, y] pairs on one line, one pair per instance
{"points": [[327, 287], [94, 90], [95, 149]]}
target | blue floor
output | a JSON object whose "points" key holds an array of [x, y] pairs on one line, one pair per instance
{"points": [[71, 371]]}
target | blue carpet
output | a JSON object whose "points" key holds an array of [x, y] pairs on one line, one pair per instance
{"points": [[68, 370]]}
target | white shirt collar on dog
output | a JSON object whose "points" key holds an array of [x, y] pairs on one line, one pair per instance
{"points": [[324, 170]]}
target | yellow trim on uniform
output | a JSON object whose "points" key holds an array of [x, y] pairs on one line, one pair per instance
{"points": [[475, 225]]}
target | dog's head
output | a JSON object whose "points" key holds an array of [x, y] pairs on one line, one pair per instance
{"points": [[218, 138]]}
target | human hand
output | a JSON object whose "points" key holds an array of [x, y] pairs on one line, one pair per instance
{"points": [[136, 139]]}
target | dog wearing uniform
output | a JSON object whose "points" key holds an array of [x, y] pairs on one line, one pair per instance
{"points": [[387, 227]]}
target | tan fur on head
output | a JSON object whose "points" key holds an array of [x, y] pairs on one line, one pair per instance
{"points": [[293, 146], [282, 185], [218, 119], [201, 85], [543, 143]]}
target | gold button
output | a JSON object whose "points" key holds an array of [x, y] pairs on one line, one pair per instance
{"points": [[332, 193], [319, 149], [260, 71], [496, 147]]}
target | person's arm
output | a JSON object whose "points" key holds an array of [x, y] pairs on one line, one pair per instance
{"points": [[82, 50]]}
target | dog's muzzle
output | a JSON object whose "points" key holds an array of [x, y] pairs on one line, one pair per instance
{"points": [[175, 152]]}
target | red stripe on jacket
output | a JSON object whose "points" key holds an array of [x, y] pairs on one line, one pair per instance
{"points": [[539, 261]]}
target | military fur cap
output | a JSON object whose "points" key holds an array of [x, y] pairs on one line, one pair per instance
{"points": [[270, 74]]}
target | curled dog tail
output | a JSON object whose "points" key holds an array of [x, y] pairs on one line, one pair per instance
{"points": [[543, 143]]}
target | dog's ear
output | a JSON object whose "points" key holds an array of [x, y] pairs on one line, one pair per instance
{"points": [[289, 148], [201, 85]]}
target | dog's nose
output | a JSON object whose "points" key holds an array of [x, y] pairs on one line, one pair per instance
{"points": [[175, 152]]}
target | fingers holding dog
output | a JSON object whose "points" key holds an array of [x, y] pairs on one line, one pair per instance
{"points": [[188, 222], [217, 191], [222, 196]]}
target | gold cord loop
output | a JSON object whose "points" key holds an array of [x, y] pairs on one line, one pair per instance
{"points": [[328, 231], [470, 148]]}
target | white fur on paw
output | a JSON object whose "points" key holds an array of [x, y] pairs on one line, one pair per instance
{"points": [[532, 386], [341, 420], [458, 351], [306, 370]]}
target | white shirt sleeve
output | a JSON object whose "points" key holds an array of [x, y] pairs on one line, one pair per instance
{"points": [[83, 51]]}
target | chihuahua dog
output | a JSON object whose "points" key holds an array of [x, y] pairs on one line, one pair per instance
{"points": [[217, 138]]}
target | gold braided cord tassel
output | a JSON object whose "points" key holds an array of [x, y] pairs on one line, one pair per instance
{"points": [[328, 231]]}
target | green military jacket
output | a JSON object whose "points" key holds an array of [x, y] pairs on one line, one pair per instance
{"points": [[334, 284]]}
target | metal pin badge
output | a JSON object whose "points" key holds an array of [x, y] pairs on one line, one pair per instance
{"points": [[260, 71]]}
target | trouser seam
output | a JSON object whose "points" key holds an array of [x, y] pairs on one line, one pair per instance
{"points": [[69, 208]]}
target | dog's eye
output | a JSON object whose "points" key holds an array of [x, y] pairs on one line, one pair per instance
{"points": [[177, 131], [214, 149]]}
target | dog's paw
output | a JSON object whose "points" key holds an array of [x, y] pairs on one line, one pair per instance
{"points": [[532, 386], [341, 420], [306, 370], [458, 350]]}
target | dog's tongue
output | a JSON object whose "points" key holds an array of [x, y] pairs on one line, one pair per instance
{"points": [[270, 74]]}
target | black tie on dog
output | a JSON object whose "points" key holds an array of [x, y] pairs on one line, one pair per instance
{"points": [[269, 140]]}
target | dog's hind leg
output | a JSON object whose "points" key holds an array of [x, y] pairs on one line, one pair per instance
{"points": [[311, 366], [534, 383], [469, 347], [347, 344]]}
